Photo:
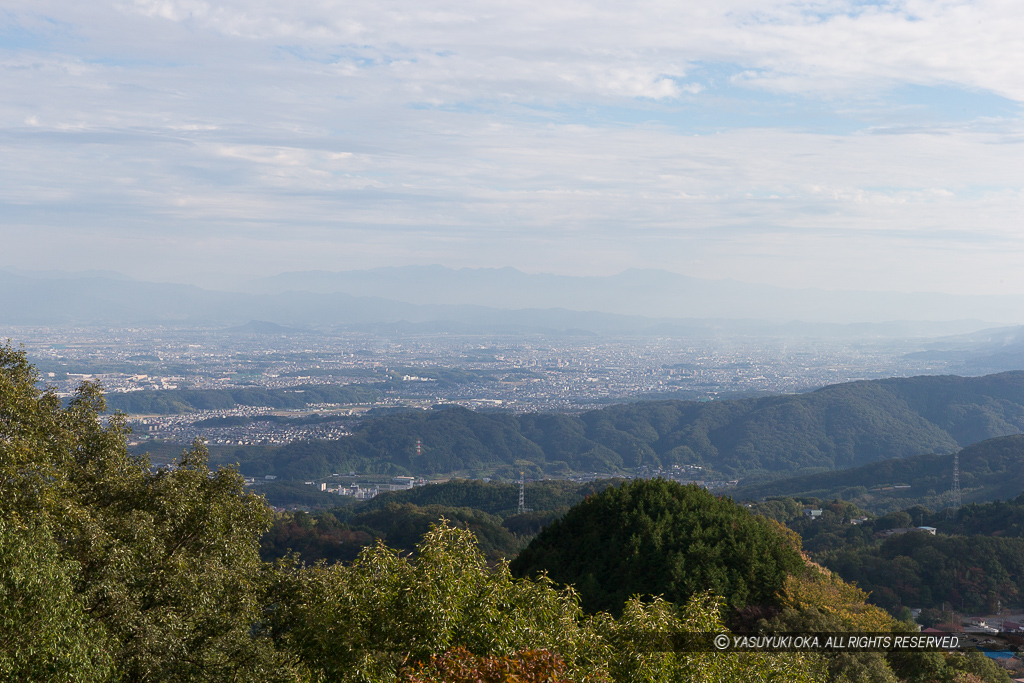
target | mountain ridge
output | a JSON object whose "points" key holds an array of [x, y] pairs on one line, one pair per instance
{"points": [[836, 427], [101, 300], [648, 292], [992, 469]]}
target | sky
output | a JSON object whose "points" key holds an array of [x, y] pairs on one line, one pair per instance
{"points": [[832, 144]]}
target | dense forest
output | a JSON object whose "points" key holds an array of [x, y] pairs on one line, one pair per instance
{"points": [[988, 470], [974, 574], [974, 562], [836, 427]]}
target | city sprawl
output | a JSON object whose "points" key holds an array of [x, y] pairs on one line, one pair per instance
{"points": [[517, 373]]}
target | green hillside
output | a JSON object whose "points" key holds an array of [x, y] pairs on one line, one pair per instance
{"points": [[974, 560], [990, 470], [836, 427], [977, 573], [658, 537]]}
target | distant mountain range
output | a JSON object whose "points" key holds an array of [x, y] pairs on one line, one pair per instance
{"points": [[644, 292], [518, 303], [980, 352]]}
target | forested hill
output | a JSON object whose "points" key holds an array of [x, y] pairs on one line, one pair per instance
{"points": [[836, 427], [990, 470]]}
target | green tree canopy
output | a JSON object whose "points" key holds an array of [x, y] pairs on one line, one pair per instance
{"points": [[110, 569], [658, 537]]}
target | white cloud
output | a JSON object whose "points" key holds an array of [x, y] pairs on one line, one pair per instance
{"points": [[807, 46], [543, 135]]}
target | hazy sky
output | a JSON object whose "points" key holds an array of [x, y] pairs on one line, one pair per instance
{"points": [[836, 144]]}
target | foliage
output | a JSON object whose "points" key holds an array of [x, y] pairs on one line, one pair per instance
{"points": [[368, 620], [971, 573], [661, 538], [443, 613], [323, 536], [833, 529], [819, 589], [631, 660], [45, 633], [818, 600], [955, 667], [988, 470], [998, 518], [461, 666], [402, 526], [973, 667], [139, 575], [313, 538]]}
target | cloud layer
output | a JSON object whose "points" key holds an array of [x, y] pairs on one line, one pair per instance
{"points": [[829, 144]]}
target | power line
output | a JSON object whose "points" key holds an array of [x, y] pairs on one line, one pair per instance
{"points": [[957, 502], [522, 492]]}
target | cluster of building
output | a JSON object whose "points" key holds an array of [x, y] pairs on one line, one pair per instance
{"points": [[365, 491], [182, 429], [686, 474], [522, 372]]}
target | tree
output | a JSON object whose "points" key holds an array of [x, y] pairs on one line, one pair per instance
{"points": [[386, 611], [137, 574], [442, 614], [656, 537], [45, 633]]}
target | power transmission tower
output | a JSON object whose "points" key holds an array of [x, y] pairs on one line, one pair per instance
{"points": [[957, 502], [522, 492]]}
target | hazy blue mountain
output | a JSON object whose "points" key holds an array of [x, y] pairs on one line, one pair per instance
{"points": [[68, 274], [989, 350], [87, 300], [652, 293]]}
